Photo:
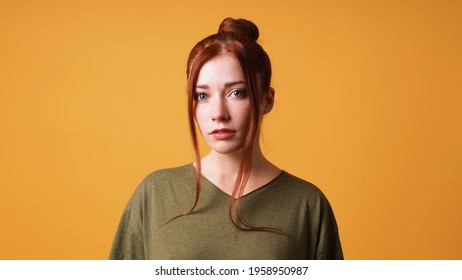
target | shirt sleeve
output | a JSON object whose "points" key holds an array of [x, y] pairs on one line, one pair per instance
{"points": [[329, 246], [128, 241]]}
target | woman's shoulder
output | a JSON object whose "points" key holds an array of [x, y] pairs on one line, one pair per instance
{"points": [[297, 184], [169, 174], [165, 183], [295, 188], [297, 191]]}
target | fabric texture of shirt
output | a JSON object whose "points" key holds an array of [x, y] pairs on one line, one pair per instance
{"points": [[287, 203]]}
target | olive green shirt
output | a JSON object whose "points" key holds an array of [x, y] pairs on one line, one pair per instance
{"points": [[287, 203]]}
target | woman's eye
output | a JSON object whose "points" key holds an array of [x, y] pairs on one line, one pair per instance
{"points": [[239, 93], [200, 96]]}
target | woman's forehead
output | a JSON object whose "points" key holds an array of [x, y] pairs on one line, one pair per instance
{"points": [[223, 69]]}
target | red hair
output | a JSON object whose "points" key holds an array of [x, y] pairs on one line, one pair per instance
{"points": [[239, 38]]}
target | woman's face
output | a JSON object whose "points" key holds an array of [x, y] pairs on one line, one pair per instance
{"points": [[222, 104]]}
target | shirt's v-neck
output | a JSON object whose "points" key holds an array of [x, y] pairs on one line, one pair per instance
{"points": [[249, 194]]}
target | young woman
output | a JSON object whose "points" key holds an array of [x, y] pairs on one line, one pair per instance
{"points": [[233, 203]]}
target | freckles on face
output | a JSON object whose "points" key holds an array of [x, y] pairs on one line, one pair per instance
{"points": [[222, 104]]}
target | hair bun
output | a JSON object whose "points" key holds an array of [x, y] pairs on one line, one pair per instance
{"points": [[241, 27]]}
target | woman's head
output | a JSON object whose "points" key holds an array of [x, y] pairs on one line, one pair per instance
{"points": [[237, 38], [235, 48]]}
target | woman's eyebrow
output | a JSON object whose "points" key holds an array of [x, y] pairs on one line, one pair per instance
{"points": [[234, 83], [230, 84], [202, 86]]}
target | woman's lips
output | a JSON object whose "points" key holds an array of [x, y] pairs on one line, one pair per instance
{"points": [[221, 134]]}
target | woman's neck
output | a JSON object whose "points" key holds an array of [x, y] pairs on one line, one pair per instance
{"points": [[222, 169]]}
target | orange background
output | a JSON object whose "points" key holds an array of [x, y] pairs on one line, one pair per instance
{"points": [[369, 97]]}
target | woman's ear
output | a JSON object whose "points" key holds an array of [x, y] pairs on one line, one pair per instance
{"points": [[268, 101]]}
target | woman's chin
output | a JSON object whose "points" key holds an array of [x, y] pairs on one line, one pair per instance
{"points": [[227, 150]]}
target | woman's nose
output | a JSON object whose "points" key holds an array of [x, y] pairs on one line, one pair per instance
{"points": [[219, 111]]}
